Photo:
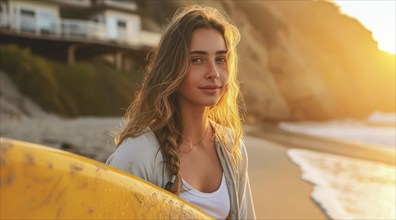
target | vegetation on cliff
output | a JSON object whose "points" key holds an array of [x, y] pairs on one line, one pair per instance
{"points": [[84, 88]]}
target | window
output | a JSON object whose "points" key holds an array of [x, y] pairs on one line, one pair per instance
{"points": [[121, 25], [28, 13], [27, 20], [121, 29]]}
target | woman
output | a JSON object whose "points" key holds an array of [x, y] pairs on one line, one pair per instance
{"points": [[183, 129]]}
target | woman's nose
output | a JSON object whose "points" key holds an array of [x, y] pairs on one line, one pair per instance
{"points": [[213, 72]]}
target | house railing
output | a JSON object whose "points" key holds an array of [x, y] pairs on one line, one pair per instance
{"points": [[74, 29]]}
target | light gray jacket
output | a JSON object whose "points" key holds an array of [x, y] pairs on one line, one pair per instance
{"points": [[141, 157]]}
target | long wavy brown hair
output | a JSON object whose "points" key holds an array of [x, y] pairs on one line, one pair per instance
{"points": [[155, 104]]}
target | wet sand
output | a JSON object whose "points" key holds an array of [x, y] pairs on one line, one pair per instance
{"points": [[277, 187]]}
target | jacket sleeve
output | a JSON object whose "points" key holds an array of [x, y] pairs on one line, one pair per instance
{"points": [[133, 167], [245, 195], [137, 157]]}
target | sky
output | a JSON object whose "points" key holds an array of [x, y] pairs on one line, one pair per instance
{"points": [[376, 15]]}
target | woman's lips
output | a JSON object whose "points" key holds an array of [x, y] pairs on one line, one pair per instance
{"points": [[211, 89]]}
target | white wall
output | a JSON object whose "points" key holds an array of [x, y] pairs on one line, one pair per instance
{"points": [[133, 26]]}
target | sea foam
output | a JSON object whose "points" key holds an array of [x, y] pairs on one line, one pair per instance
{"points": [[348, 188]]}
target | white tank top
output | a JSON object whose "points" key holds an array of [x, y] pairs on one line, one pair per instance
{"points": [[216, 204]]}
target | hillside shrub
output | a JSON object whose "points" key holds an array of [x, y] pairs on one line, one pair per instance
{"points": [[32, 74], [81, 89]]}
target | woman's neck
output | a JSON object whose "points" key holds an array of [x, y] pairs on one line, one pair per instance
{"points": [[195, 124]]}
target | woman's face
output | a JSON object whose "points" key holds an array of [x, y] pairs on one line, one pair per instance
{"points": [[206, 79]]}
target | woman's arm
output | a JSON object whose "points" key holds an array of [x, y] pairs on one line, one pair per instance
{"points": [[139, 156]]}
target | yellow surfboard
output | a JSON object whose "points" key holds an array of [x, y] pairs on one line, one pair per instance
{"points": [[45, 183]]}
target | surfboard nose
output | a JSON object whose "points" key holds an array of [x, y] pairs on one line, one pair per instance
{"points": [[42, 182]]}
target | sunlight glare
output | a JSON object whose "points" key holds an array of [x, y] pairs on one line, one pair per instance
{"points": [[378, 16]]}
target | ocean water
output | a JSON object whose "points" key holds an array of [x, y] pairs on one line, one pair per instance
{"points": [[344, 187], [378, 128], [348, 188]]}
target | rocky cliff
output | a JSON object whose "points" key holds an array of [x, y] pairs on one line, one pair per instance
{"points": [[304, 60]]}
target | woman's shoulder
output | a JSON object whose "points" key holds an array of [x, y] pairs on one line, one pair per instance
{"points": [[146, 144], [139, 156], [146, 137]]}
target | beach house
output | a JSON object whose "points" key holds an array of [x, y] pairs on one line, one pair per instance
{"points": [[78, 29]]}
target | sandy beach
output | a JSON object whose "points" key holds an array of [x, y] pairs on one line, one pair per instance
{"points": [[279, 192], [277, 187]]}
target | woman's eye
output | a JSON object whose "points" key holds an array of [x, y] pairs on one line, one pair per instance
{"points": [[221, 59], [197, 60]]}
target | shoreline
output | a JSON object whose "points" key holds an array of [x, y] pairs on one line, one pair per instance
{"points": [[341, 147]]}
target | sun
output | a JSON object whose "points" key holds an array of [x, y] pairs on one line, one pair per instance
{"points": [[376, 15]]}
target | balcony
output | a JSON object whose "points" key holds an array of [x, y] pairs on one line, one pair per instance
{"points": [[74, 29]]}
